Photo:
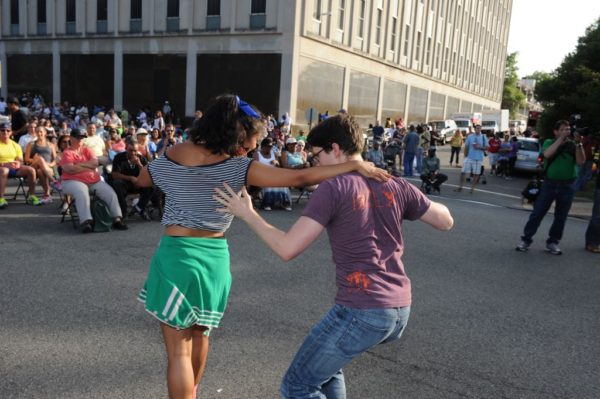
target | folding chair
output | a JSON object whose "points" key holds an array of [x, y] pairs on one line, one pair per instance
{"points": [[20, 188], [302, 193], [69, 210]]}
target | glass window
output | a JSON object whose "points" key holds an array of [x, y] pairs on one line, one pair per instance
{"points": [[213, 7], [428, 51], [378, 26], [394, 100], [406, 40], [453, 106], [393, 34], [173, 9], [341, 14], [436, 106], [317, 10], [361, 18], [466, 106], [41, 11], [70, 10], [258, 7], [14, 12], [417, 105], [102, 10], [320, 86], [418, 50], [362, 97], [136, 9]]}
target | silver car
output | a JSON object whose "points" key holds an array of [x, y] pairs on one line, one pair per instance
{"points": [[528, 154]]}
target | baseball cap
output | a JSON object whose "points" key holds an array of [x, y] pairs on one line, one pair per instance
{"points": [[291, 140], [5, 123], [141, 131], [13, 100]]}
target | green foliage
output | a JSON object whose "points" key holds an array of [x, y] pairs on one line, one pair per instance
{"points": [[512, 97], [574, 87]]}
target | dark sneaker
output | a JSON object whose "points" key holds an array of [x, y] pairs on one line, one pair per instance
{"points": [[553, 249], [523, 246], [119, 225], [86, 227]]}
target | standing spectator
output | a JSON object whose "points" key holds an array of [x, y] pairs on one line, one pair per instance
{"points": [[592, 234], [421, 147], [167, 110], [80, 176], [585, 172], [96, 144], [475, 146], [512, 157], [285, 123], [378, 132], [2, 106], [18, 118], [561, 157], [456, 143], [411, 142], [159, 121], [493, 153], [125, 118], [41, 155], [126, 169], [29, 137], [364, 222], [11, 165]]}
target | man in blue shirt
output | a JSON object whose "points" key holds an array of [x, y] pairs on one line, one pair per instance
{"points": [[475, 146], [411, 143]]}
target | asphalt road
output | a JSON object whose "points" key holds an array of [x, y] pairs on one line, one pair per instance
{"points": [[486, 322]]}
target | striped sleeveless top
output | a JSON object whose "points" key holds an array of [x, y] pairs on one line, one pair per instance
{"points": [[189, 189]]}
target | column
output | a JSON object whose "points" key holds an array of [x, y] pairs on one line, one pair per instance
{"points": [[232, 16], [346, 88], [190, 78], [380, 98], [427, 106], [55, 72], [3, 68], [118, 76], [288, 23]]}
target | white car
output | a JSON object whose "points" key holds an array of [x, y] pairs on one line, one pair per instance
{"points": [[528, 154], [445, 129]]}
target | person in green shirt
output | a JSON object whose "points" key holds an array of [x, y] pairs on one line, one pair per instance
{"points": [[561, 157]]}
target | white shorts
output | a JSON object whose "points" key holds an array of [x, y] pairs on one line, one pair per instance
{"points": [[471, 166], [493, 158]]}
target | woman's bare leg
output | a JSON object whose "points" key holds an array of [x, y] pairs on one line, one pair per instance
{"points": [[199, 354], [180, 372]]}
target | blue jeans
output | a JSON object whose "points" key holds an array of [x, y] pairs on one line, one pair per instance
{"points": [[584, 174], [552, 190], [409, 158], [592, 234], [343, 334]]}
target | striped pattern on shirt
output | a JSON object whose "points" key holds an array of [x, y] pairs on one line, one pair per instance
{"points": [[189, 189]]}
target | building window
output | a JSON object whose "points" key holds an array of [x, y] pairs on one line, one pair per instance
{"points": [[341, 14], [437, 55], [71, 16], [14, 17], [102, 16], [136, 9], [406, 40], [258, 7], [258, 19], [362, 9], [418, 50], [41, 11], [445, 59], [428, 51], [378, 26], [213, 15], [317, 10], [432, 4], [393, 34], [172, 15]]}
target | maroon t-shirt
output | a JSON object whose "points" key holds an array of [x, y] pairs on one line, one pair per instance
{"points": [[364, 218]]}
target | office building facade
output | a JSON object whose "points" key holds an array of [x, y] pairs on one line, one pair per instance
{"points": [[416, 59]]}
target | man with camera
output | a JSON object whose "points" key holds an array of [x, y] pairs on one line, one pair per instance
{"points": [[561, 157]]}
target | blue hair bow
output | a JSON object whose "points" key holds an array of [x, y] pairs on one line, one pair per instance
{"points": [[246, 108]]}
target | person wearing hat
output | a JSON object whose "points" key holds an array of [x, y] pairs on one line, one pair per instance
{"points": [[11, 165], [18, 118], [125, 171], [80, 177]]}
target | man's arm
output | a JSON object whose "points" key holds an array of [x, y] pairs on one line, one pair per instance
{"points": [[287, 245], [438, 216]]}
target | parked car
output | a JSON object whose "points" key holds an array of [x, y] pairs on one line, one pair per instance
{"points": [[445, 129], [528, 155]]}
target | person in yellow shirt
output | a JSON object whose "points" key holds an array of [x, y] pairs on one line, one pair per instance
{"points": [[96, 144], [11, 165]]}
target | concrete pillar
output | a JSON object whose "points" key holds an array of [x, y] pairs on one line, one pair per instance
{"points": [[55, 72], [118, 76], [3, 71], [346, 88], [427, 106], [232, 16], [407, 105], [288, 23], [151, 16], [379, 99], [190, 78]]}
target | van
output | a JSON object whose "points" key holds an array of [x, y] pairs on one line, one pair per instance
{"points": [[445, 129]]}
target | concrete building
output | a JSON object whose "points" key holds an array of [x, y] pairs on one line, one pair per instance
{"points": [[416, 59]]}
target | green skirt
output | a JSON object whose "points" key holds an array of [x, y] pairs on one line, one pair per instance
{"points": [[188, 282]]}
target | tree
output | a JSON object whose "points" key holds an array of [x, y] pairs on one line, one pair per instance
{"points": [[512, 97], [574, 87]]}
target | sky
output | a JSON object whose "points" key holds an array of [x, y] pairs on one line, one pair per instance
{"points": [[545, 31]]}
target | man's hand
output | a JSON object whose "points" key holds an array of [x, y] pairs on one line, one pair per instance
{"points": [[239, 205], [14, 165], [368, 169]]}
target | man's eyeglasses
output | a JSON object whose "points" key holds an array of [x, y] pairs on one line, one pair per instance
{"points": [[316, 154]]}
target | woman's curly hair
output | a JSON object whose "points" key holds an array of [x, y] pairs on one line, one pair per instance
{"points": [[224, 126]]}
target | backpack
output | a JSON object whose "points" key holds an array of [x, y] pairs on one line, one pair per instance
{"points": [[101, 215]]}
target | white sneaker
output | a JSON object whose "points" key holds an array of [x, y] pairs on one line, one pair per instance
{"points": [[267, 208], [522, 246], [553, 249]]}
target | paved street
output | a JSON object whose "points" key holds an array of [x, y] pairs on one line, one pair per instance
{"points": [[486, 322]]}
